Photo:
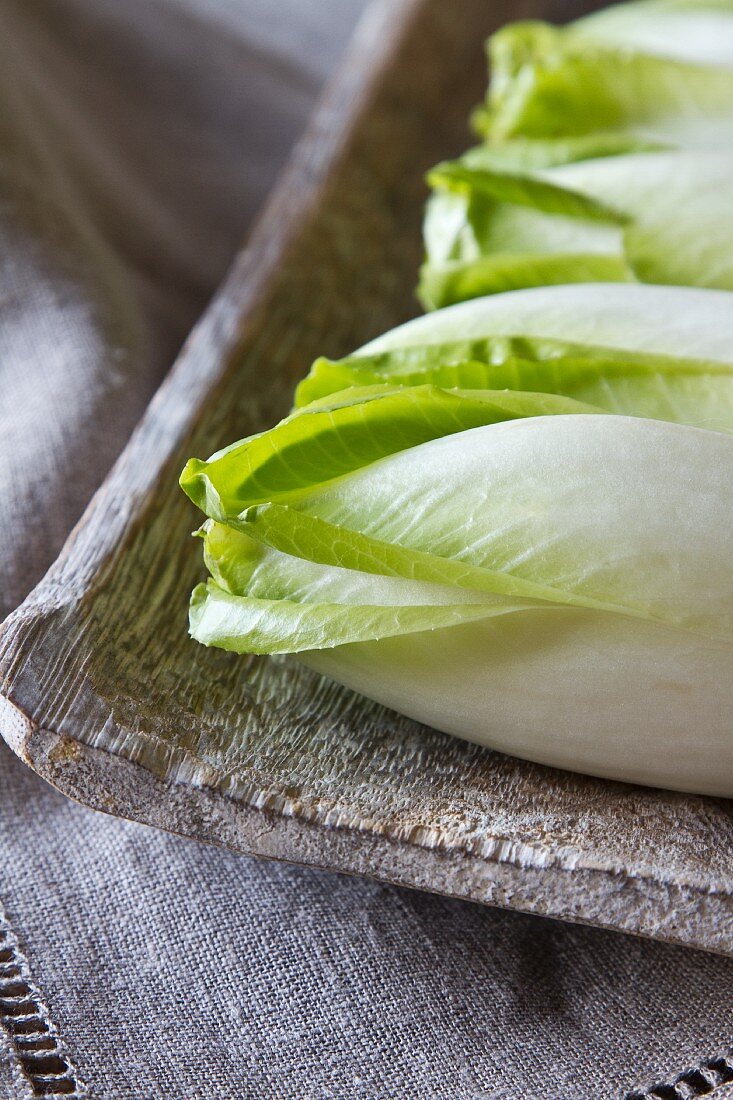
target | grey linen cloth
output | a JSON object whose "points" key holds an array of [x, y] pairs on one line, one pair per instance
{"points": [[137, 140]]}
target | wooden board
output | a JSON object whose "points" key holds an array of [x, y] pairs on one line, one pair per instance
{"points": [[106, 697]]}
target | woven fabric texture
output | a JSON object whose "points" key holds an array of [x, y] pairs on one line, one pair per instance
{"points": [[137, 141]]}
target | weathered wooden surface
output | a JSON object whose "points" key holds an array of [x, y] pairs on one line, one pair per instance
{"points": [[105, 696]]}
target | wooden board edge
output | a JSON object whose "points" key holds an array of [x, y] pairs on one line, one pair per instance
{"points": [[112, 784]]}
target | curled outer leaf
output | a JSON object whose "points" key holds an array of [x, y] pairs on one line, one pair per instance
{"points": [[650, 372], [342, 432], [652, 70], [660, 217]]}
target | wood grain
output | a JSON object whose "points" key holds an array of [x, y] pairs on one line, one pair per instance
{"points": [[107, 698]]}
